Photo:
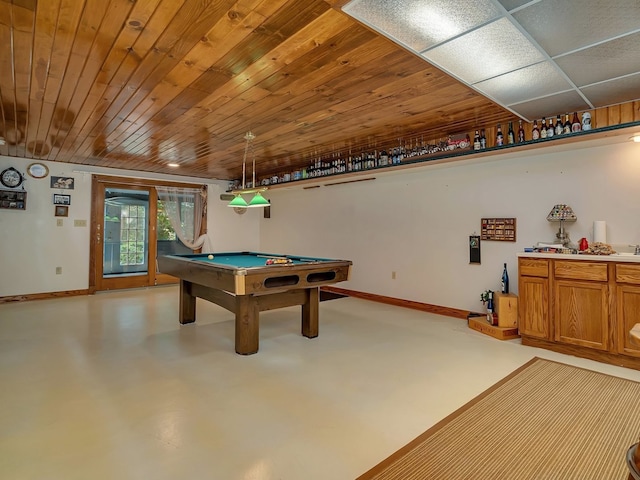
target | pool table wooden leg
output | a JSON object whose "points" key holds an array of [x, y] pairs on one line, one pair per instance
{"points": [[310, 310], [187, 303], [247, 324]]}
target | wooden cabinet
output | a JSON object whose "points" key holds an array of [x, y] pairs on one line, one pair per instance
{"points": [[581, 313], [582, 307], [533, 289], [627, 306]]}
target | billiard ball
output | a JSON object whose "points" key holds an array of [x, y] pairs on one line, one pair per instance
{"points": [[210, 257]]}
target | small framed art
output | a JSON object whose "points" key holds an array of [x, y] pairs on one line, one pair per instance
{"points": [[62, 211], [59, 199]]}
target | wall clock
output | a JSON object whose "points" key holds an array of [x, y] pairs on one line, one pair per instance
{"points": [[11, 178], [38, 170]]}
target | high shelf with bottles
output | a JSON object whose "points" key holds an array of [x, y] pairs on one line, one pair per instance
{"points": [[417, 149]]}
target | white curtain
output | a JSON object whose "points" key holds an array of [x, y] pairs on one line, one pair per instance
{"points": [[186, 229]]}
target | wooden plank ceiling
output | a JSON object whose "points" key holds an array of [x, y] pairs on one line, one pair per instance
{"points": [[139, 84]]}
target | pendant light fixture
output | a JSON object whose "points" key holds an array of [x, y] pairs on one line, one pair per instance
{"points": [[258, 200]]}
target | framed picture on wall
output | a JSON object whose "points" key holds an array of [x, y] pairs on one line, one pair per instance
{"points": [[62, 211], [61, 199], [62, 182]]}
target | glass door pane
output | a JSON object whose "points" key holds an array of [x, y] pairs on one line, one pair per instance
{"points": [[126, 232]]}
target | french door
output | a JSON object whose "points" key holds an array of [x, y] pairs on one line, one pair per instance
{"points": [[129, 229]]}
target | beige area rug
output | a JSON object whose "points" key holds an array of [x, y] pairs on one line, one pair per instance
{"points": [[546, 420]]}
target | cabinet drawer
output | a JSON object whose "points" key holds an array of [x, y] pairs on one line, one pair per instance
{"points": [[626, 273], [533, 267], [580, 270]]}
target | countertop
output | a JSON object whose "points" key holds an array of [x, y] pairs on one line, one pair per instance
{"points": [[579, 256]]}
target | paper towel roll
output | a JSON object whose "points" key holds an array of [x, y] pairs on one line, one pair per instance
{"points": [[600, 231]]}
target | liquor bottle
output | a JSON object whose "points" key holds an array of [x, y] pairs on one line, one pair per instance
{"points": [[566, 128], [576, 126], [490, 315], [520, 132], [384, 158], [499, 137], [476, 141], [550, 128], [511, 136], [505, 280], [535, 133], [483, 139], [543, 128], [559, 125]]}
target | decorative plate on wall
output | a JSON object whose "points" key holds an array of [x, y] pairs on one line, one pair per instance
{"points": [[11, 178], [38, 170]]}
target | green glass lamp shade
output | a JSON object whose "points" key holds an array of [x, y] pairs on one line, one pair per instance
{"points": [[259, 201], [238, 202]]}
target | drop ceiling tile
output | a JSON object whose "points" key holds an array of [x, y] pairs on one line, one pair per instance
{"points": [[616, 91], [472, 57], [561, 26], [605, 61], [561, 103], [538, 80], [419, 24], [511, 4]]}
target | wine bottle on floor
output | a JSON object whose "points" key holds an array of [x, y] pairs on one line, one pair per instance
{"points": [[505, 280]]}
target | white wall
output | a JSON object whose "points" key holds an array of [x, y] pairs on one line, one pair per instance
{"points": [[32, 246], [418, 223]]}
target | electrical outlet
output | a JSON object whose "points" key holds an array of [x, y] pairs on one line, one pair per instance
{"points": [[59, 222], [58, 270], [393, 275], [79, 223]]}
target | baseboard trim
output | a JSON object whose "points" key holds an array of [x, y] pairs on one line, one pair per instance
{"points": [[398, 302], [42, 296]]}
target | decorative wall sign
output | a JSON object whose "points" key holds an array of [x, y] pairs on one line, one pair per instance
{"points": [[62, 211], [62, 182], [474, 248], [499, 229], [61, 199]]}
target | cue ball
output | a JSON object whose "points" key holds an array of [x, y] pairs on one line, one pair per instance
{"points": [[210, 257]]}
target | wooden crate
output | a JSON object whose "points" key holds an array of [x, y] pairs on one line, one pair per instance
{"points": [[501, 333], [506, 306]]}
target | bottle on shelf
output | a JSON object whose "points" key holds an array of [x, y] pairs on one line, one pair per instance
{"points": [[550, 128], [566, 128], [499, 136], [384, 159], [476, 141], [543, 128], [576, 125], [511, 136], [535, 133], [483, 139], [504, 282], [559, 128], [490, 316], [520, 132]]}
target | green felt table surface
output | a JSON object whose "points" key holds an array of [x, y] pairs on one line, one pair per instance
{"points": [[248, 259]]}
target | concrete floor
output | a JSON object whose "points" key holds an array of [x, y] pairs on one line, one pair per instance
{"points": [[111, 387]]}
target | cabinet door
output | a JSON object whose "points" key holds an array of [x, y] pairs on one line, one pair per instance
{"points": [[581, 313], [628, 300], [534, 306]]}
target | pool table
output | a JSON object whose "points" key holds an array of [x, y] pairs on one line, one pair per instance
{"points": [[244, 284]]}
